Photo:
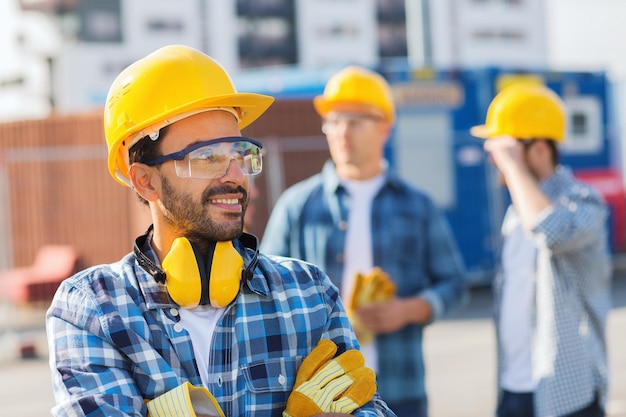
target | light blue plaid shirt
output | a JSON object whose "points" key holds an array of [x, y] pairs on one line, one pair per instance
{"points": [[411, 242], [115, 340], [572, 297]]}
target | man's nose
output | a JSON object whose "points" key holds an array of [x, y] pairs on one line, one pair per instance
{"points": [[234, 171]]}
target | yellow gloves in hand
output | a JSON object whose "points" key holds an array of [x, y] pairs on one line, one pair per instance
{"points": [[374, 287], [185, 400], [327, 385]]}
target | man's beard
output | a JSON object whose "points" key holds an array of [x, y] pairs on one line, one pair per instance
{"points": [[191, 217]]}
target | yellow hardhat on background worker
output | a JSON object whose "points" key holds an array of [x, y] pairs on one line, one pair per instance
{"points": [[170, 84], [524, 111], [358, 86]]}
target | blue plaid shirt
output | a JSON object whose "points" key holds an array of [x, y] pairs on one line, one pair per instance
{"points": [[572, 297], [411, 242], [115, 340]]}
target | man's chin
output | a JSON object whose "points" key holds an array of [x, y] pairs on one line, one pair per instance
{"points": [[221, 232], [233, 232]]}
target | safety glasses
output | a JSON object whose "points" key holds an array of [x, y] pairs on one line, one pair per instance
{"points": [[211, 158], [352, 121]]}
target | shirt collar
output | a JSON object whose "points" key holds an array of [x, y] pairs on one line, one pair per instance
{"points": [[332, 182], [154, 293], [552, 185]]}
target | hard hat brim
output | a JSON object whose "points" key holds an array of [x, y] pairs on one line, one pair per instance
{"points": [[251, 107], [323, 107], [481, 131]]}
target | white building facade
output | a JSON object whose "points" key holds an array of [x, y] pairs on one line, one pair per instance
{"points": [[63, 54]]}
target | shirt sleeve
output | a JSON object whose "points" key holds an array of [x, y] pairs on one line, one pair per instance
{"points": [[572, 223], [445, 266], [90, 377]]}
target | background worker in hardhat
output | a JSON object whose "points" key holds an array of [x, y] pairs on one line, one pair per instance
{"points": [[552, 295], [356, 215], [195, 309]]}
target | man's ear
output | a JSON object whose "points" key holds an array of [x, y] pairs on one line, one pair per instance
{"points": [[144, 181]]}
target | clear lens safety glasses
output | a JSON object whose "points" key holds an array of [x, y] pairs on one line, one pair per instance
{"points": [[335, 122], [211, 158]]}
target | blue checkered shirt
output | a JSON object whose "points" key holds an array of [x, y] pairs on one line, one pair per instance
{"points": [[411, 242], [572, 297], [115, 341]]}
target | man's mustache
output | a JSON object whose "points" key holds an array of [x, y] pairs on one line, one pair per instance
{"points": [[225, 189]]}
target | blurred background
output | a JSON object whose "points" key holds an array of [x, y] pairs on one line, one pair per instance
{"points": [[60, 211]]}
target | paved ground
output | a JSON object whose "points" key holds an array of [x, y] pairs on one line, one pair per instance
{"points": [[460, 357], [459, 354]]}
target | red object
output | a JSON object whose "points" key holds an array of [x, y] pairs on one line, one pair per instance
{"points": [[609, 183], [28, 351], [39, 282]]}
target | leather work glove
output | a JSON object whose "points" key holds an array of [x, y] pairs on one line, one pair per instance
{"points": [[185, 400], [327, 385], [374, 287]]}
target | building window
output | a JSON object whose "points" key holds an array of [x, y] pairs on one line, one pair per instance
{"points": [[391, 16], [511, 2], [100, 21], [499, 35], [266, 33], [579, 123], [163, 25]]}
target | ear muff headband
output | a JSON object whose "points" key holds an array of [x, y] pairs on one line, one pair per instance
{"points": [[190, 281]]}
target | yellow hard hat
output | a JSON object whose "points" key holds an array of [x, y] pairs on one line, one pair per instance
{"points": [[169, 84], [524, 111], [356, 85]]}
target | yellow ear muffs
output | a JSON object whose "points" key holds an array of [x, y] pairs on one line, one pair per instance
{"points": [[183, 275], [191, 282], [225, 274]]}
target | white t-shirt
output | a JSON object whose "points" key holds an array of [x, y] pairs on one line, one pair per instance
{"points": [[518, 262], [200, 323], [358, 249]]}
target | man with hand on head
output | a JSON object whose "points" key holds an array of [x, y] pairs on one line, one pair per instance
{"points": [[195, 321], [552, 296], [382, 242]]}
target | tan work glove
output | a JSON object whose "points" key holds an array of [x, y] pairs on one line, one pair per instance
{"points": [[374, 287], [185, 400], [327, 385]]}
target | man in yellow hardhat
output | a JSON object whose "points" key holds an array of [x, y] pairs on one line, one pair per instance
{"points": [[195, 321], [382, 242], [552, 295]]}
